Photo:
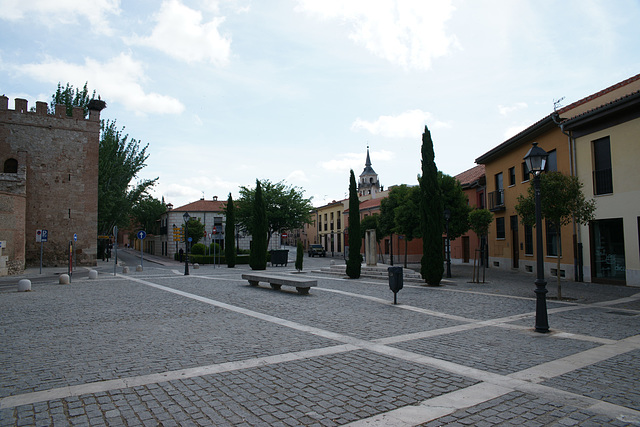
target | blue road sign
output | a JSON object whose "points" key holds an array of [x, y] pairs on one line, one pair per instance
{"points": [[190, 239], [142, 234], [75, 237], [44, 235]]}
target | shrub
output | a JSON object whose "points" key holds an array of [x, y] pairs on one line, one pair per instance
{"points": [[198, 249]]}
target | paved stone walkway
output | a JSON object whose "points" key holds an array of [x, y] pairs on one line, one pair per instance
{"points": [[157, 348]]}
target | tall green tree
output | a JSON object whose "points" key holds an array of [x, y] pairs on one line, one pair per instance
{"points": [[354, 262], [196, 230], [431, 215], [70, 97], [230, 232], [259, 229], [454, 199], [286, 208], [561, 202], [479, 222], [146, 212], [120, 161], [407, 217]]}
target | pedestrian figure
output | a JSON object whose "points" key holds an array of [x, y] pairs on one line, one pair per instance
{"points": [[181, 254]]}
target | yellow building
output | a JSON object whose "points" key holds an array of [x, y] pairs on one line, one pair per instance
{"points": [[607, 141], [330, 221], [511, 244]]}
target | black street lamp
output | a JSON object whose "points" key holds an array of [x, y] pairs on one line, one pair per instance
{"points": [[536, 160], [186, 243], [447, 217]]}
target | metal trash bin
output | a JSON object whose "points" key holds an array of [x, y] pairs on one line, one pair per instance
{"points": [[279, 257], [395, 281]]}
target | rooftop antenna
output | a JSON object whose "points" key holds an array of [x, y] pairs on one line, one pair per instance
{"points": [[556, 103], [202, 196]]}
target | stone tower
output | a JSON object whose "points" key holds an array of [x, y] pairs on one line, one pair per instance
{"points": [[368, 183]]}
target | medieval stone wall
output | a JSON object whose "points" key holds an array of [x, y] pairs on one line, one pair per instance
{"points": [[59, 185]]}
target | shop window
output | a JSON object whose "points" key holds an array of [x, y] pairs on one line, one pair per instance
{"points": [[607, 250]]}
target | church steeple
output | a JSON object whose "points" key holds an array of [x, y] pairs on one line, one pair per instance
{"points": [[369, 183]]}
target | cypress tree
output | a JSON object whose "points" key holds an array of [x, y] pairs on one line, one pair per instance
{"points": [[431, 215], [229, 243], [259, 230], [354, 262]]}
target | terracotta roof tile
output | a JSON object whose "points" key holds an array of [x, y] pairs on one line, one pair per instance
{"points": [[471, 175], [203, 206]]}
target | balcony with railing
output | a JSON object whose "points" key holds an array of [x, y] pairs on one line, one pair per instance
{"points": [[496, 201], [602, 181]]}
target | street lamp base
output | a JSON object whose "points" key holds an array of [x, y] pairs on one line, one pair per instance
{"points": [[542, 321]]}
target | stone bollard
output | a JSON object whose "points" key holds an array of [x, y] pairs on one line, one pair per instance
{"points": [[64, 279], [196, 266], [125, 270], [24, 285], [139, 268], [93, 274]]}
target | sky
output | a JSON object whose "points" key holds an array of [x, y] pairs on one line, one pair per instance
{"points": [[225, 92]]}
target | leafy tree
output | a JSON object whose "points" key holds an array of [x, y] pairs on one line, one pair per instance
{"points": [[354, 262], [259, 228], [146, 212], [120, 161], [454, 199], [299, 255], [561, 202], [431, 215], [407, 217], [286, 208], [230, 231], [71, 98], [195, 230], [479, 222]]}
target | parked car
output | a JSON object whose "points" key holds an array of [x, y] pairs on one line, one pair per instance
{"points": [[317, 250]]}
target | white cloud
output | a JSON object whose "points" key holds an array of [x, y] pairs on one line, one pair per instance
{"points": [[62, 12], [297, 176], [505, 110], [344, 162], [405, 125], [116, 80], [405, 32], [181, 34]]}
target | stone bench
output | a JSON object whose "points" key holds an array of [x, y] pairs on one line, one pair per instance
{"points": [[301, 285]]}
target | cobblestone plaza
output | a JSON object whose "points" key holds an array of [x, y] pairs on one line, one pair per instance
{"points": [[157, 348]]}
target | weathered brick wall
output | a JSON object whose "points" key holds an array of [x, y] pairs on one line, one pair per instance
{"points": [[61, 178]]}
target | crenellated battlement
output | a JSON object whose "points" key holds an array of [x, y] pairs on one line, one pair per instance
{"points": [[21, 106]]}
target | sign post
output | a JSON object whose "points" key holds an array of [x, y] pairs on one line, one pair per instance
{"points": [[75, 249], [214, 240], [41, 237], [141, 235]]}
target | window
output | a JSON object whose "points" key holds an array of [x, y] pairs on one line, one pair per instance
{"points": [[499, 184], [554, 248], [552, 162], [500, 228], [525, 172], [602, 176], [528, 240], [11, 166], [512, 176]]}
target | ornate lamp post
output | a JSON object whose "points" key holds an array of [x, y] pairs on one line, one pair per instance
{"points": [[447, 217], [536, 160], [186, 243]]}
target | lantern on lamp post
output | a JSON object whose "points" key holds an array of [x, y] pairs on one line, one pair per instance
{"points": [[536, 160]]}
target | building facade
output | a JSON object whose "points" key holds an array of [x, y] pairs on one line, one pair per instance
{"points": [[607, 142], [49, 181], [511, 244]]}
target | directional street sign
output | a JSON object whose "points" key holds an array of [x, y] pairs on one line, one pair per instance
{"points": [[142, 234]]}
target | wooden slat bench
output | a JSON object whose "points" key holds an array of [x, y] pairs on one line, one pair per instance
{"points": [[302, 285]]}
